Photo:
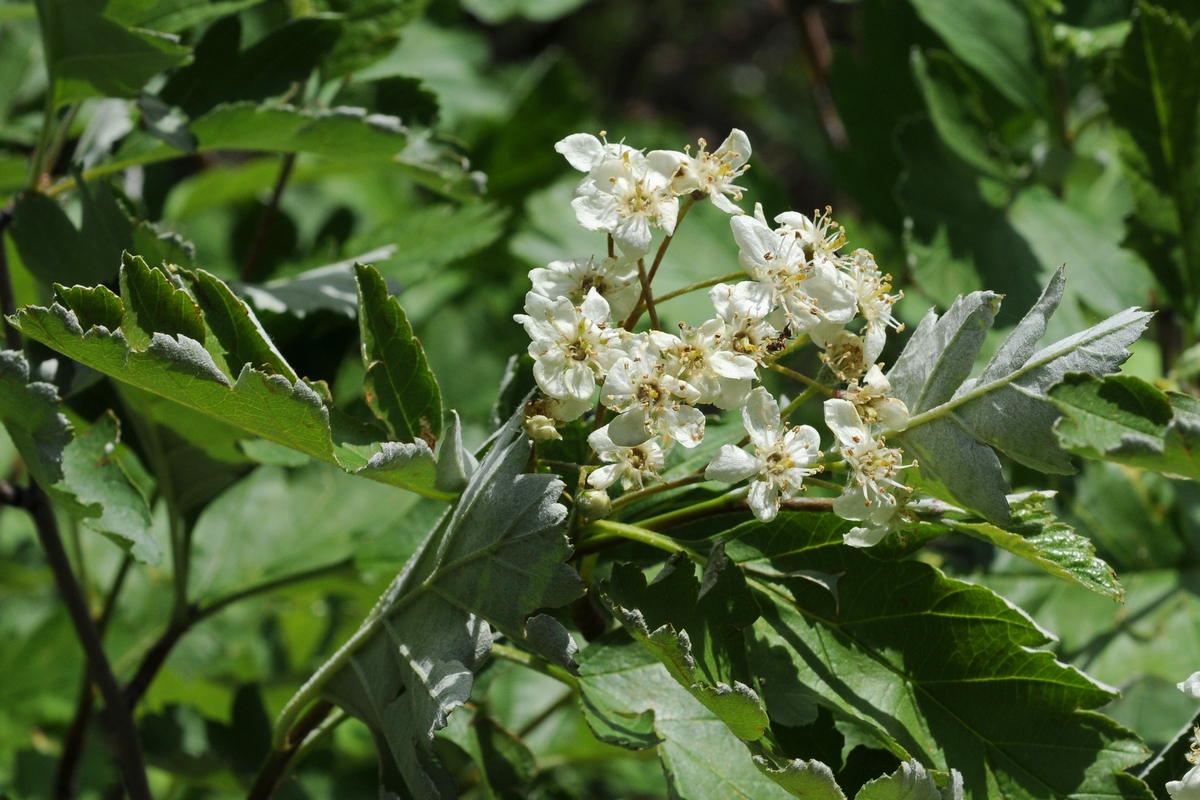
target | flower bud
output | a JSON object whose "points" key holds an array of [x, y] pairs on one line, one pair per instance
{"points": [[541, 428], [593, 504]]}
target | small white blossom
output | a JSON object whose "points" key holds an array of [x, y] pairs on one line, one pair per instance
{"points": [[845, 354], [873, 468], [1191, 686], [714, 173], [871, 288], [585, 152], [541, 428], [819, 236], [1186, 789], [616, 280], [782, 458], [627, 196], [570, 344], [744, 307], [702, 357], [810, 290], [649, 398], [871, 401], [629, 465]]}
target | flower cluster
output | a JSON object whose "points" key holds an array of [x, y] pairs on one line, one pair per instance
{"points": [[1188, 788], [652, 386]]}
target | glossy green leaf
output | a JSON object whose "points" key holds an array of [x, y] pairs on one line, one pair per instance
{"points": [[695, 632], [493, 560], [1036, 535], [630, 698], [89, 54], [1128, 421], [945, 671], [399, 385]]}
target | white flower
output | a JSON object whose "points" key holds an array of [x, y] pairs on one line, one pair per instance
{"points": [[873, 405], [585, 152], [627, 196], [629, 465], [845, 354], [615, 280], [873, 467], [870, 288], [782, 458], [809, 289], [570, 344], [541, 428], [744, 307], [1191, 686], [1186, 789], [714, 173], [820, 237], [702, 357], [649, 398]]}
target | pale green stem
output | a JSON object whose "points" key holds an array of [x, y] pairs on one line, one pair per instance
{"points": [[732, 501], [804, 397], [534, 663], [695, 287], [791, 373], [624, 500]]}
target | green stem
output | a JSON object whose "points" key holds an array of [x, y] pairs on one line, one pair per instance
{"points": [[734, 501], [695, 287], [684, 208], [554, 707], [43, 140], [534, 663], [50, 157], [607, 531], [804, 397], [650, 491], [812, 383], [647, 300], [799, 341]]}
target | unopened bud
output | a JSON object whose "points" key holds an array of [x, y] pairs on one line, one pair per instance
{"points": [[593, 504], [541, 428]]}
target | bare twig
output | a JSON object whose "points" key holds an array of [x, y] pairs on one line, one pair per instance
{"points": [[267, 222], [124, 740], [274, 769]]}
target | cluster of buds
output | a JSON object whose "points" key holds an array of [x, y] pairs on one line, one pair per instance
{"points": [[580, 316]]}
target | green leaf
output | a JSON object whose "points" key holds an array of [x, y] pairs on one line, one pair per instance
{"points": [[372, 29], [493, 560], [222, 73], [399, 386], [52, 247], [996, 38], [174, 16], [956, 422], [954, 109], [630, 698], [236, 327], [396, 95], [506, 765], [944, 670], [276, 524], [89, 54], [911, 782], [1035, 534], [1128, 421], [1154, 95], [76, 471], [695, 631], [175, 365]]}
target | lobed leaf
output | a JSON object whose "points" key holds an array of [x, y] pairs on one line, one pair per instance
{"points": [[494, 559], [399, 386], [1036, 535], [956, 421], [1128, 421], [935, 669]]}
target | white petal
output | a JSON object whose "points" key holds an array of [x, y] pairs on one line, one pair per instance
{"points": [[686, 425], [632, 234], [597, 212], [760, 415], [578, 380], [733, 365], [582, 150], [735, 143], [804, 444], [665, 162], [892, 414], [852, 504], [629, 429], [1188, 788], [595, 307], [605, 476], [724, 203], [600, 441], [875, 339], [1191, 686], [731, 465], [763, 500], [843, 420], [864, 537]]}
